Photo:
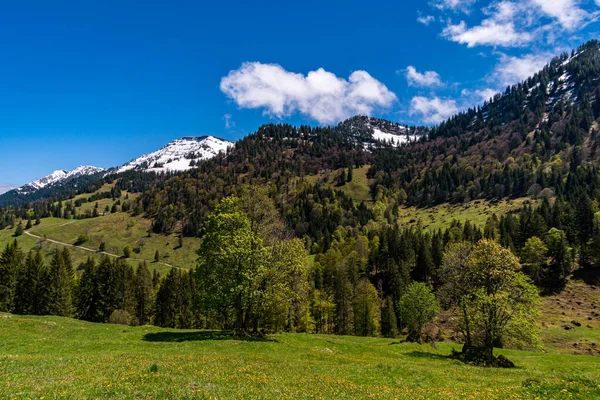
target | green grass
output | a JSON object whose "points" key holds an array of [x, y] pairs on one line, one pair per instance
{"points": [[359, 189], [116, 231], [441, 216], [54, 357]]}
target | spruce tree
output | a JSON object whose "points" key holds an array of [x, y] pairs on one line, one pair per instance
{"points": [[389, 324], [60, 283], [10, 263], [88, 295], [29, 293], [144, 292]]}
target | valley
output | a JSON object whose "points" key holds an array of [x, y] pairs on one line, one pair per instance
{"points": [[362, 259]]}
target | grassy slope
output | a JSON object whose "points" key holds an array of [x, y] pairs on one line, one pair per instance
{"points": [[578, 304], [58, 357], [116, 230], [441, 216]]}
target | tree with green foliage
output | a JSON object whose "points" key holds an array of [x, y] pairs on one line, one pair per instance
{"points": [[350, 174], [10, 264], [19, 230], [59, 283], [502, 303], [173, 305], [366, 309], [389, 324], [28, 225], [127, 251], [244, 272], [534, 259], [144, 293], [418, 306], [156, 256], [88, 296], [455, 289], [29, 295], [561, 257]]}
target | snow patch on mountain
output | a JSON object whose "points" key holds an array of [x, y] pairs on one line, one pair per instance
{"points": [[391, 138], [57, 176], [178, 155]]}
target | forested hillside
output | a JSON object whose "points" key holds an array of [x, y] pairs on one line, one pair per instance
{"points": [[538, 140]]}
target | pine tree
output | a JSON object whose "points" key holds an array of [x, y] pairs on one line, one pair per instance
{"points": [[59, 283], [29, 293], [156, 256], [88, 293], [350, 174], [389, 324], [28, 225], [144, 292], [341, 181], [19, 230], [10, 264]]}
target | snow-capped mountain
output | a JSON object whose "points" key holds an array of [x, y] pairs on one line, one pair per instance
{"points": [[178, 155], [373, 132], [59, 176]]}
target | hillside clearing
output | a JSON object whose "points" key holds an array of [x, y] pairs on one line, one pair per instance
{"points": [[59, 357]]}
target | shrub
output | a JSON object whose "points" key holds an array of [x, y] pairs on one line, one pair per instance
{"points": [[120, 317]]}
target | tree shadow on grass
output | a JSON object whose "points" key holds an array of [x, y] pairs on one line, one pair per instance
{"points": [[432, 356], [177, 337]]}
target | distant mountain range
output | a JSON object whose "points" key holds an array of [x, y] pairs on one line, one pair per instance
{"points": [[185, 153], [178, 155]]}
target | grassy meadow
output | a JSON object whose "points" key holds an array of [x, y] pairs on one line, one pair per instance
{"points": [[53, 357]]}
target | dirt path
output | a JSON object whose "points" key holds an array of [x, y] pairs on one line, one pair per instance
{"points": [[99, 252]]}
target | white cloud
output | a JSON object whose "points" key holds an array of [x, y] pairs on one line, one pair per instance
{"points": [[567, 12], [426, 79], [490, 33], [320, 95], [512, 70], [455, 5], [229, 122], [433, 110], [485, 94], [5, 187], [426, 20]]}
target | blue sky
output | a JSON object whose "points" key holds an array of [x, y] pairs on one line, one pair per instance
{"points": [[99, 83]]}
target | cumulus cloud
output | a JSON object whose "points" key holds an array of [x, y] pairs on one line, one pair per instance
{"points": [[490, 33], [432, 110], [516, 23], [426, 79], [320, 95], [5, 187], [567, 12], [512, 70], [426, 20]]}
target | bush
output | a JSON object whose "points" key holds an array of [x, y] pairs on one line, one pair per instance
{"points": [[120, 317], [81, 239], [127, 251]]}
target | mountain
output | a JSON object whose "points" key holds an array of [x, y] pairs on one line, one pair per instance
{"points": [[58, 177], [178, 155], [373, 132]]}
